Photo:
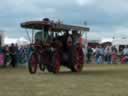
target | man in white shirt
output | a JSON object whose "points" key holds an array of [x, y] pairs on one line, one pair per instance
{"points": [[108, 54], [125, 50]]}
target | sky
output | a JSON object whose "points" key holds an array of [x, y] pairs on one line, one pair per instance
{"points": [[105, 18]]}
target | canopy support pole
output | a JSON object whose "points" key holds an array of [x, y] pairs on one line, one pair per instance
{"points": [[29, 38], [42, 34], [32, 36]]}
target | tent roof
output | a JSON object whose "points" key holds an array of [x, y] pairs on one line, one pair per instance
{"points": [[120, 41], [106, 40], [20, 40]]}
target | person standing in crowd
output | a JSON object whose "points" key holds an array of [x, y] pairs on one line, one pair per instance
{"points": [[99, 54], [17, 53], [114, 55], [124, 58], [25, 53], [89, 54], [21, 54], [125, 51], [6, 54], [101, 51], [30, 49], [1, 56], [13, 50], [108, 54]]}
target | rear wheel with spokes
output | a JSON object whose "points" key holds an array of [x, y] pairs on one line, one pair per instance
{"points": [[79, 60]]}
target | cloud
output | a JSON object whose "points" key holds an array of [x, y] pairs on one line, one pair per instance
{"points": [[117, 32], [106, 17], [84, 2], [114, 6]]}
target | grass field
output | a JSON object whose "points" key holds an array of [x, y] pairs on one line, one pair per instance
{"points": [[95, 80]]}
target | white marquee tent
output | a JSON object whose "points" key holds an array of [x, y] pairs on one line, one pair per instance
{"points": [[19, 41], [120, 41], [103, 40]]}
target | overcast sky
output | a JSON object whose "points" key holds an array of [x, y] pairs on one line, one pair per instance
{"points": [[106, 18]]}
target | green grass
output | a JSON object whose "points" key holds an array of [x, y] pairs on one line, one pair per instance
{"points": [[95, 80]]}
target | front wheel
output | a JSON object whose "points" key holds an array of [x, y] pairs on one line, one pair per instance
{"points": [[41, 63], [56, 62], [78, 60], [32, 63]]}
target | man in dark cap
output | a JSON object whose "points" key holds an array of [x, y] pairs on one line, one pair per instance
{"points": [[13, 50]]}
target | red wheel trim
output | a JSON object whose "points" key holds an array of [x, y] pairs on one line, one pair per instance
{"points": [[33, 61], [57, 65]]}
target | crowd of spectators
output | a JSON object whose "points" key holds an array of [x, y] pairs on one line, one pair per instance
{"points": [[12, 55], [107, 54]]}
